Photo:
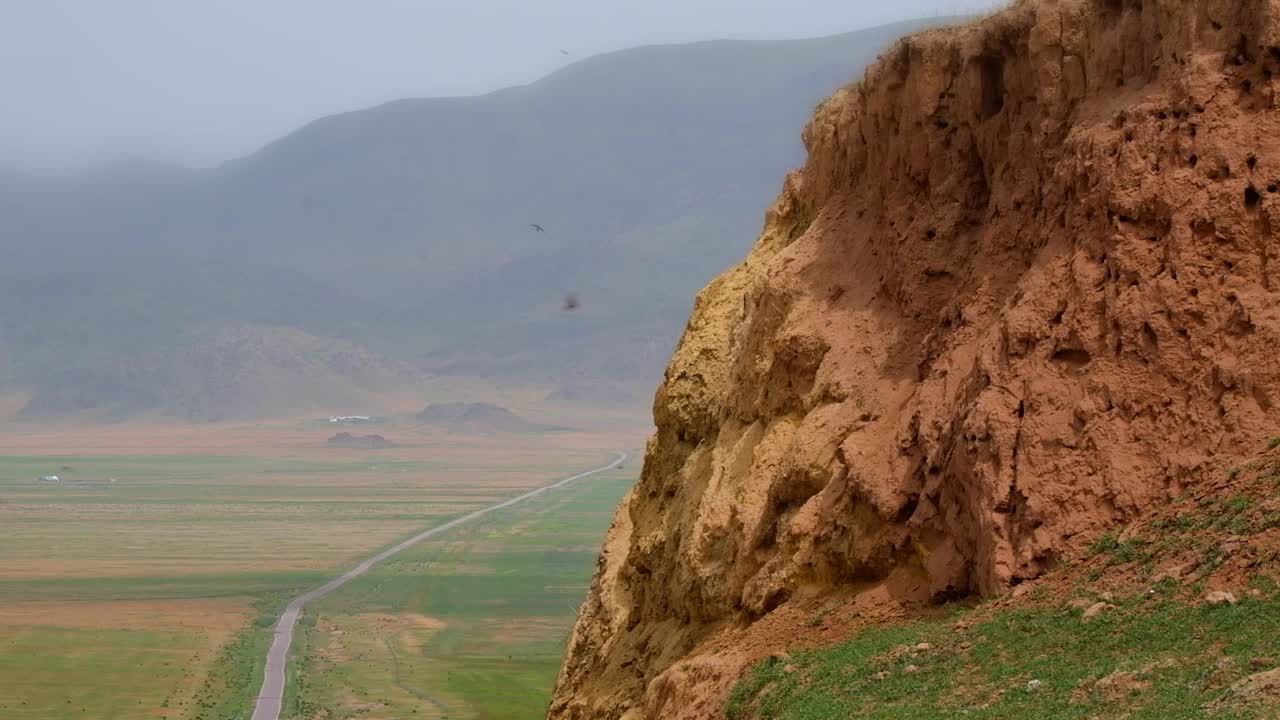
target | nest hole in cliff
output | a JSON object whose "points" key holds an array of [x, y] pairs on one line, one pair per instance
{"points": [[979, 191], [1112, 9], [908, 509], [1261, 398], [991, 75], [1243, 54], [1252, 161], [1074, 358], [1203, 228], [1149, 338], [1251, 198]]}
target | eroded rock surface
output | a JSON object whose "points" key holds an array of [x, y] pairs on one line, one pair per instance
{"points": [[1021, 291]]}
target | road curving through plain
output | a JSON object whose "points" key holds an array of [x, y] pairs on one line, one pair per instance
{"points": [[271, 696]]}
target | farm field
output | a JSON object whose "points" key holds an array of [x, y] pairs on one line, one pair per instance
{"points": [[151, 596], [471, 625]]}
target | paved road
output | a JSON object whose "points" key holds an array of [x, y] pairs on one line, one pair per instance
{"points": [[272, 693]]}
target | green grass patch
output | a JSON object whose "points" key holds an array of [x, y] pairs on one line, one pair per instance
{"points": [[59, 673], [1180, 658], [1120, 551]]}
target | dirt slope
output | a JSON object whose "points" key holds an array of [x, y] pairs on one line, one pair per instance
{"points": [[1021, 293]]}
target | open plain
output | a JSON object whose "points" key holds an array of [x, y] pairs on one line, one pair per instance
{"points": [[144, 581], [472, 624]]}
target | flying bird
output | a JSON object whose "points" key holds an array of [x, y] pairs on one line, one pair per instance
{"points": [[571, 302], [564, 52], [537, 227]]}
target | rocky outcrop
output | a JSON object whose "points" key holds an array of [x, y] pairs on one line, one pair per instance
{"points": [[1022, 291]]}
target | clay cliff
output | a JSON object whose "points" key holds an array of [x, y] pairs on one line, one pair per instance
{"points": [[1020, 293]]}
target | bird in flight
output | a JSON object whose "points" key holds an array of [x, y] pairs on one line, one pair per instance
{"points": [[537, 227], [571, 302], [564, 52]]}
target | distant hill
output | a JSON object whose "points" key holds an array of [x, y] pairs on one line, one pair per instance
{"points": [[404, 231], [599, 393], [359, 442], [221, 372], [475, 417]]}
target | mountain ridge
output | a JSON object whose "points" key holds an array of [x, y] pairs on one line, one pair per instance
{"points": [[410, 220]]}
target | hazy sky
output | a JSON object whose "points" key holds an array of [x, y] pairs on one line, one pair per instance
{"points": [[200, 81]]}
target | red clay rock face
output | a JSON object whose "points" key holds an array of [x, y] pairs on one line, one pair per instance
{"points": [[1021, 292]]}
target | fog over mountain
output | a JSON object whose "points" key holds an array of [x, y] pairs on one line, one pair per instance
{"points": [[371, 248], [197, 83]]}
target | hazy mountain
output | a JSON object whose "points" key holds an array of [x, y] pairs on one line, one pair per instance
{"points": [[222, 372], [475, 417], [405, 230]]}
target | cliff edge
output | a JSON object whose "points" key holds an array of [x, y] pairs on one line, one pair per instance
{"points": [[1021, 293]]}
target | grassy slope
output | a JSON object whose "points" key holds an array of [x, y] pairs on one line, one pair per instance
{"points": [[506, 589], [1160, 651], [980, 664]]}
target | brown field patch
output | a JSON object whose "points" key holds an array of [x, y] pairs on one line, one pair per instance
{"points": [[360, 707], [217, 616], [402, 621], [524, 630], [472, 569], [368, 631], [188, 636], [334, 651], [305, 438], [44, 551]]}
